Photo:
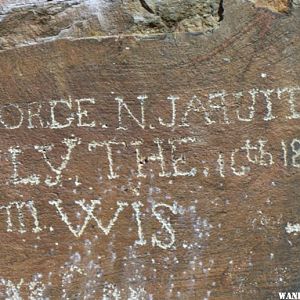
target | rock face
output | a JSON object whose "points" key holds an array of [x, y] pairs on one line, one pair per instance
{"points": [[281, 6], [175, 15], [145, 158], [29, 21]]}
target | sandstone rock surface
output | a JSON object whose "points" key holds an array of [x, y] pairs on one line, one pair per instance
{"points": [[149, 149]]}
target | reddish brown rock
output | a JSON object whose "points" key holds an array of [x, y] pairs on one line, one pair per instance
{"points": [[154, 166]]}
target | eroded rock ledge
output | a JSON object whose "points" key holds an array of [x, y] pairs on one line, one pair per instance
{"points": [[24, 22]]}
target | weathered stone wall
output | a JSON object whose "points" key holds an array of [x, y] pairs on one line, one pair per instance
{"points": [[149, 150]]}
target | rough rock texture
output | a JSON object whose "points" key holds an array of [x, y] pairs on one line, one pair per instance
{"points": [[151, 166], [29, 21], [174, 15], [281, 6]]}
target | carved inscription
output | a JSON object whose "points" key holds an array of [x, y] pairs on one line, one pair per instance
{"points": [[213, 108], [118, 180], [168, 157]]}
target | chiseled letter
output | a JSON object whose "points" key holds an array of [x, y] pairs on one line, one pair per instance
{"points": [[296, 151], [71, 143], [292, 101], [84, 113], [181, 160], [166, 225], [112, 174], [122, 105], [15, 178], [173, 114], [221, 106], [21, 117], [54, 123]]}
